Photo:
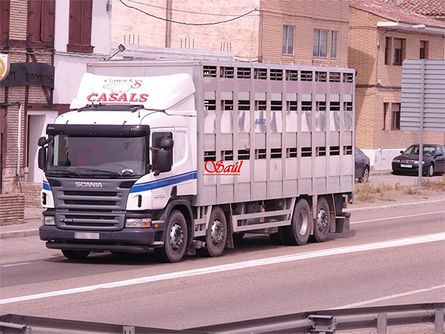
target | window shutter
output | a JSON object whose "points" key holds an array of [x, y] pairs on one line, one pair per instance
{"points": [[4, 21], [34, 17], [81, 13], [75, 25], [87, 14], [47, 22]]}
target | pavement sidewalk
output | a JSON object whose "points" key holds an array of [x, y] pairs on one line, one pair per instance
{"points": [[29, 228]]}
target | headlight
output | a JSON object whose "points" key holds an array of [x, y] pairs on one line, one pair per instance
{"points": [[49, 220], [138, 222], [396, 160], [417, 162]]}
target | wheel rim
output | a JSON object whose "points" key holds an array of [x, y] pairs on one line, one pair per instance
{"points": [[366, 174], [431, 171], [217, 232], [322, 220], [176, 237], [304, 223]]}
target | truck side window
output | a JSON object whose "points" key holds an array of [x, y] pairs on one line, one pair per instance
{"points": [[156, 141]]}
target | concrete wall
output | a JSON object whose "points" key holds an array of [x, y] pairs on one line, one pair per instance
{"points": [[240, 37]]}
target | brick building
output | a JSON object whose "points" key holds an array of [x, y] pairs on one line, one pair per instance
{"points": [[49, 44], [382, 34], [280, 31]]}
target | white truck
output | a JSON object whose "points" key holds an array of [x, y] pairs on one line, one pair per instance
{"points": [[186, 157]]}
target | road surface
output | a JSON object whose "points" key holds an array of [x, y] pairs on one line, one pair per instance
{"points": [[393, 255]]}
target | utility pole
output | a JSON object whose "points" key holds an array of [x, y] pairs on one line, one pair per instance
{"points": [[168, 23]]}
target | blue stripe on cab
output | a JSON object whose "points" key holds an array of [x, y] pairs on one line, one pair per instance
{"points": [[168, 181], [46, 186]]}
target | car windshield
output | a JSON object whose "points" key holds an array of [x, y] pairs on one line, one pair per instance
{"points": [[97, 156], [414, 149]]}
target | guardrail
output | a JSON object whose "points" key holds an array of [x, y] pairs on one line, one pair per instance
{"points": [[316, 322]]}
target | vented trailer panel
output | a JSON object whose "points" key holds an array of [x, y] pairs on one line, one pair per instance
{"points": [[291, 126]]}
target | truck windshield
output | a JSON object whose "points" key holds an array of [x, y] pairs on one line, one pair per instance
{"points": [[97, 156]]}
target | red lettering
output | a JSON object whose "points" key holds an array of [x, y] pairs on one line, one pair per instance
{"points": [[212, 164], [133, 97], [102, 98], [92, 97], [143, 98], [112, 97], [122, 98]]}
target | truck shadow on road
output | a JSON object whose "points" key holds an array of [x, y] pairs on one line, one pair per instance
{"points": [[250, 244]]}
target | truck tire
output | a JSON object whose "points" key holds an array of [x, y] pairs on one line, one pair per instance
{"points": [[323, 220], [175, 238], [216, 234], [75, 254], [301, 224]]}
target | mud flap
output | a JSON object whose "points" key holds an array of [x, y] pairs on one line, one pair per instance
{"points": [[342, 223]]}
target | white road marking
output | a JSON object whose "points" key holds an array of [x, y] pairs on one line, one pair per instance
{"points": [[393, 205], [396, 217], [14, 264], [428, 238], [397, 295]]}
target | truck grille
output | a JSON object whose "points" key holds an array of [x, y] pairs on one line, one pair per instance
{"points": [[90, 209]]}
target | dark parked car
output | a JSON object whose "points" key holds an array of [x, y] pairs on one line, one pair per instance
{"points": [[361, 166], [408, 161]]}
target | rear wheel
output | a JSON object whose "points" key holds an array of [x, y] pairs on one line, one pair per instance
{"points": [[175, 238], [75, 254], [365, 176], [323, 220], [216, 234], [301, 224]]}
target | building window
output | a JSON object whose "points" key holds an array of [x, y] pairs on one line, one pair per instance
{"points": [[424, 48], [80, 26], [395, 120], [4, 21], [288, 40], [388, 49], [41, 18], [320, 43], [399, 51], [334, 37]]}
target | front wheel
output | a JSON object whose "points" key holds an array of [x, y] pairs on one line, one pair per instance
{"points": [[75, 254], [430, 170], [175, 238]]}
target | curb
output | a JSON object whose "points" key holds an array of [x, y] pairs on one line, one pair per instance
{"points": [[19, 234]]}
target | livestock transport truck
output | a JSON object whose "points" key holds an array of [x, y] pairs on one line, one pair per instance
{"points": [[187, 157]]}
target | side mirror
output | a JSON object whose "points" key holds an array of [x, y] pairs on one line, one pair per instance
{"points": [[42, 141], [401, 152], [42, 158], [164, 161]]}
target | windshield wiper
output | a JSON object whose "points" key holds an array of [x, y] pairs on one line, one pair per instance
{"points": [[63, 172], [97, 171]]}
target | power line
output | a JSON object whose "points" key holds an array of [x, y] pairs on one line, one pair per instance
{"points": [[189, 23], [179, 10]]}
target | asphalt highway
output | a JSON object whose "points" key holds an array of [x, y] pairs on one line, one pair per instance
{"points": [[393, 255]]}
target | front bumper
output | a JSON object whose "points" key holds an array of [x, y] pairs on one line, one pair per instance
{"points": [[414, 169], [131, 240]]}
